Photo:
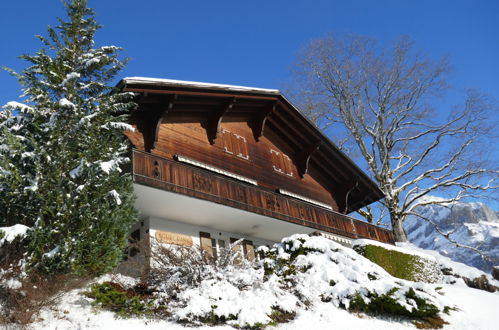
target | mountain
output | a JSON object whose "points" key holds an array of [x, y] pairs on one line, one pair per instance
{"points": [[472, 224]]}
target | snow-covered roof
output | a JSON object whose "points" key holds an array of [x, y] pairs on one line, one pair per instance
{"points": [[196, 84]]}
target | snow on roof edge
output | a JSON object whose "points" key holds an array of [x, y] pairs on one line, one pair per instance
{"points": [[184, 83]]}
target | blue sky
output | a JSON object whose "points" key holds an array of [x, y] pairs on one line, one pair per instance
{"points": [[254, 43]]}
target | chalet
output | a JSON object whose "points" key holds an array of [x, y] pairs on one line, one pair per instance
{"points": [[215, 163]]}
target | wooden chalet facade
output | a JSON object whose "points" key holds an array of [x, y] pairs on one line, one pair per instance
{"points": [[215, 163]]}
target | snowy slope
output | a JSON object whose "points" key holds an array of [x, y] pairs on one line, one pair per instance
{"points": [[472, 224], [476, 309]]}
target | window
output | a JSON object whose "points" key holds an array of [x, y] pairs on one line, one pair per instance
{"points": [[281, 162], [217, 246], [235, 144]]}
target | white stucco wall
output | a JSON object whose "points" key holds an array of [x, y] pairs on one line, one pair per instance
{"points": [[154, 223]]}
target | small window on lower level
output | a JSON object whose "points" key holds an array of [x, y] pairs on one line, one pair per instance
{"points": [[217, 246]]}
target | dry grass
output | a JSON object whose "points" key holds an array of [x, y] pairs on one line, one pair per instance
{"points": [[21, 304]]}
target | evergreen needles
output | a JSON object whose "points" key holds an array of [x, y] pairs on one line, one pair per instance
{"points": [[63, 151]]}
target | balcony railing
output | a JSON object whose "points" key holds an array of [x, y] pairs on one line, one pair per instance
{"points": [[170, 175]]}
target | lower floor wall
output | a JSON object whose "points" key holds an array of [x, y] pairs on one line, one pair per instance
{"points": [[211, 240]]}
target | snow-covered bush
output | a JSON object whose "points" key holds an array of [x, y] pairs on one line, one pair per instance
{"points": [[300, 273], [400, 263], [319, 270], [455, 272], [124, 302], [185, 284], [24, 294], [226, 289]]}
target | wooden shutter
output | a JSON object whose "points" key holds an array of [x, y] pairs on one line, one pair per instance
{"points": [[227, 141], [274, 156], [249, 250], [287, 165], [235, 144], [242, 146], [205, 242], [281, 163]]}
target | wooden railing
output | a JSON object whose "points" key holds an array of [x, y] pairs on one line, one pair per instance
{"points": [[189, 180]]}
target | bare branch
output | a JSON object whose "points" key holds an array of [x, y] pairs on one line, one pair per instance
{"points": [[382, 100], [448, 234]]}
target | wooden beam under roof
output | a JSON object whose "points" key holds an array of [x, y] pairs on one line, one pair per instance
{"points": [[303, 157], [159, 118], [259, 120], [213, 126]]}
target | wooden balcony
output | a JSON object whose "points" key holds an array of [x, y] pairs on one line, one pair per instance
{"points": [[173, 176]]}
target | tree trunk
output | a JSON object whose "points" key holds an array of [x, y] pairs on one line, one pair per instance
{"points": [[398, 229]]}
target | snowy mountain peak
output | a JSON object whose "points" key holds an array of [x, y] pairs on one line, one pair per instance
{"points": [[472, 224]]}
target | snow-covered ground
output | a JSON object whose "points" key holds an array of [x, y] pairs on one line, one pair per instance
{"points": [[476, 309]]}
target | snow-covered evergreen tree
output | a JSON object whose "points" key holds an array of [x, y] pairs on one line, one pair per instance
{"points": [[63, 150]]}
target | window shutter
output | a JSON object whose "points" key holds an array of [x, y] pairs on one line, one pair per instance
{"points": [[205, 242], [249, 250], [287, 165], [235, 144], [281, 163], [227, 140]]}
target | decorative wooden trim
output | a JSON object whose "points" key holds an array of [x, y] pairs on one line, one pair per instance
{"points": [[173, 238], [215, 119], [158, 120], [303, 158], [259, 120]]}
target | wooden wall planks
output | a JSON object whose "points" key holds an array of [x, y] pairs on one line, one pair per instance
{"points": [[187, 136]]}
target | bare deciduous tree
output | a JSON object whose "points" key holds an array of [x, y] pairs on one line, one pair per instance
{"points": [[385, 106]]}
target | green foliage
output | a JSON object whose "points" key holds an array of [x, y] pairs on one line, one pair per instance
{"points": [[213, 319], [285, 267], [2, 234], [386, 304], [277, 317], [125, 303], [401, 265], [66, 152]]}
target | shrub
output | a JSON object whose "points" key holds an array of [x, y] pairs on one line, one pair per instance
{"points": [[124, 302], [317, 269], [405, 266], [23, 296]]}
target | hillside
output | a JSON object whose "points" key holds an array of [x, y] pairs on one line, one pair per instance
{"points": [[307, 282], [472, 224]]}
